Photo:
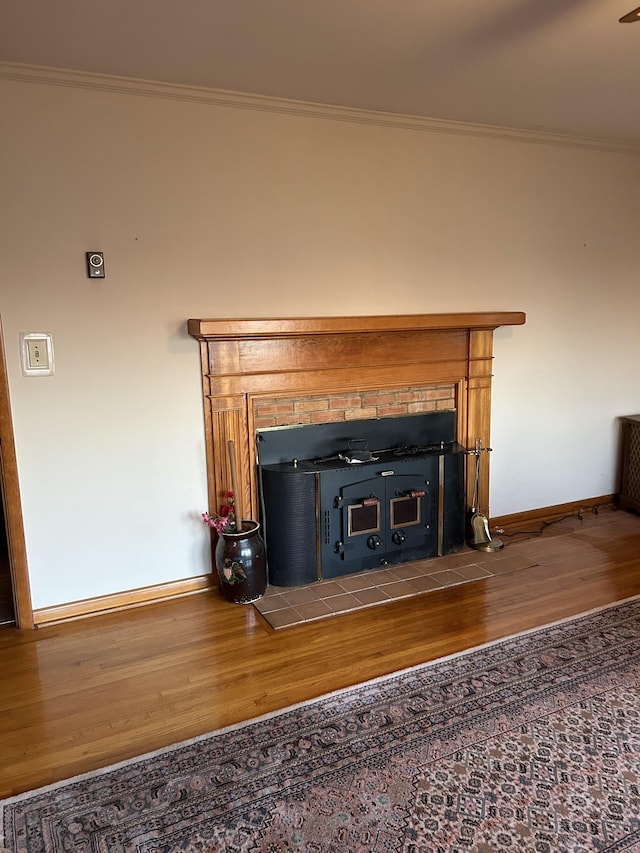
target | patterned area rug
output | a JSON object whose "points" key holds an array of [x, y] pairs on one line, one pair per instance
{"points": [[529, 744]]}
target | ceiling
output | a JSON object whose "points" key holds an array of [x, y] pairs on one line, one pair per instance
{"points": [[557, 66]]}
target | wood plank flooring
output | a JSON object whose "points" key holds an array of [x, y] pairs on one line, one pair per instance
{"points": [[85, 694]]}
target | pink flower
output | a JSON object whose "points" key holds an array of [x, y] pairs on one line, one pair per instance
{"points": [[225, 519]]}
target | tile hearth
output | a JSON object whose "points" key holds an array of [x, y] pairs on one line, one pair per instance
{"points": [[286, 606]]}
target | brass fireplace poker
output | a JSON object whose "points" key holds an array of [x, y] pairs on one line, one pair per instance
{"points": [[480, 536]]}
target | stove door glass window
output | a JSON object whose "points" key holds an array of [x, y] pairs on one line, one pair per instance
{"points": [[363, 517], [406, 510]]}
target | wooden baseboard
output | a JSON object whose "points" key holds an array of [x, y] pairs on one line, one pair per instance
{"points": [[121, 600], [530, 518]]}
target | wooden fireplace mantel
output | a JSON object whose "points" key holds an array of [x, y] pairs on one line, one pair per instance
{"points": [[243, 360], [223, 328]]}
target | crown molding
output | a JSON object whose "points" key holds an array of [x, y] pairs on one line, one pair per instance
{"points": [[238, 100]]}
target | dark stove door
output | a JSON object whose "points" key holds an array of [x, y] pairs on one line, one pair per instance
{"points": [[358, 529], [372, 518], [412, 517]]}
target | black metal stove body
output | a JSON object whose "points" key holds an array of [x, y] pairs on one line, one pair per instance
{"points": [[348, 508]]}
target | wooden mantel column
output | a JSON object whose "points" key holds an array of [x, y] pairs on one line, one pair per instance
{"points": [[243, 360]]}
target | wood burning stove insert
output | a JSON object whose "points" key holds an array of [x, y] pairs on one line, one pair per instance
{"points": [[345, 497]]}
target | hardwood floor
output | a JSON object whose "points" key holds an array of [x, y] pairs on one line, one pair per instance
{"points": [[78, 696]]}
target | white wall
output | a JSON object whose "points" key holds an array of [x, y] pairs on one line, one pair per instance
{"points": [[208, 211]]}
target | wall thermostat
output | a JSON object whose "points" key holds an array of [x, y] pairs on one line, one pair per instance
{"points": [[95, 264]]}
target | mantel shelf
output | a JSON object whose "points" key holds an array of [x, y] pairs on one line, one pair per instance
{"points": [[238, 329]]}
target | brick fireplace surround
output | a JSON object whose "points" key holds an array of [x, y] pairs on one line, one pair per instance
{"points": [[276, 372]]}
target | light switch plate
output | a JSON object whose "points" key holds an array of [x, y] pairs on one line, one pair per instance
{"points": [[36, 349]]}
